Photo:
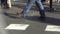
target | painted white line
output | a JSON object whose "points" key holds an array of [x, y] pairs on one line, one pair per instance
{"points": [[17, 27], [53, 28]]}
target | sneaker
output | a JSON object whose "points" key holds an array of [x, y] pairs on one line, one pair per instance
{"points": [[20, 15], [41, 17]]}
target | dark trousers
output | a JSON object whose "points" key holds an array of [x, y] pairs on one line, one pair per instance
{"points": [[4, 3]]}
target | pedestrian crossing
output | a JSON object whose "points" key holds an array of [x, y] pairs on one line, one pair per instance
{"points": [[24, 27], [53, 28], [17, 27], [30, 28]]}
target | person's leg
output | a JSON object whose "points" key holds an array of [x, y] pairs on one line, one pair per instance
{"points": [[41, 8], [5, 4], [27, 8], [2, 3], [9, 3]]}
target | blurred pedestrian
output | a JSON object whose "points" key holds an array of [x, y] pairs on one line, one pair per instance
{"points": [[2, 3], [29, 5]]}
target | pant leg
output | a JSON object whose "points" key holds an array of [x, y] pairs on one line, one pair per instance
{"points": [[2, 2], [5, 3], [9, 3], [41, 8], [27, 8]]}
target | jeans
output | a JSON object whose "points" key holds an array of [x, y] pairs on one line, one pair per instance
{"points": [[29, 5]]}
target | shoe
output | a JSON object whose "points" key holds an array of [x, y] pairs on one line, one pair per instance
{"points": [[41, 17], [20, 15]]}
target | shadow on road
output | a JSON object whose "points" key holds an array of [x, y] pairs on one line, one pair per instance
{"points": [[10, 15], [48, 20]]}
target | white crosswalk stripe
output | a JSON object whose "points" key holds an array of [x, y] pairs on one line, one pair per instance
{"points": [[17, 27], [52, 28]]}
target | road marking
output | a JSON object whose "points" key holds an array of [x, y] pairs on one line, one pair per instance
{"points": [[53, 28], [17, 27]]}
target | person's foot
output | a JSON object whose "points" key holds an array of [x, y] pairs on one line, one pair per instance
{"points": [[41, 17], [20, 15]]}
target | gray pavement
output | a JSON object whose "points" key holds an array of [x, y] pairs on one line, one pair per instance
{"points": [[36, 26]]}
